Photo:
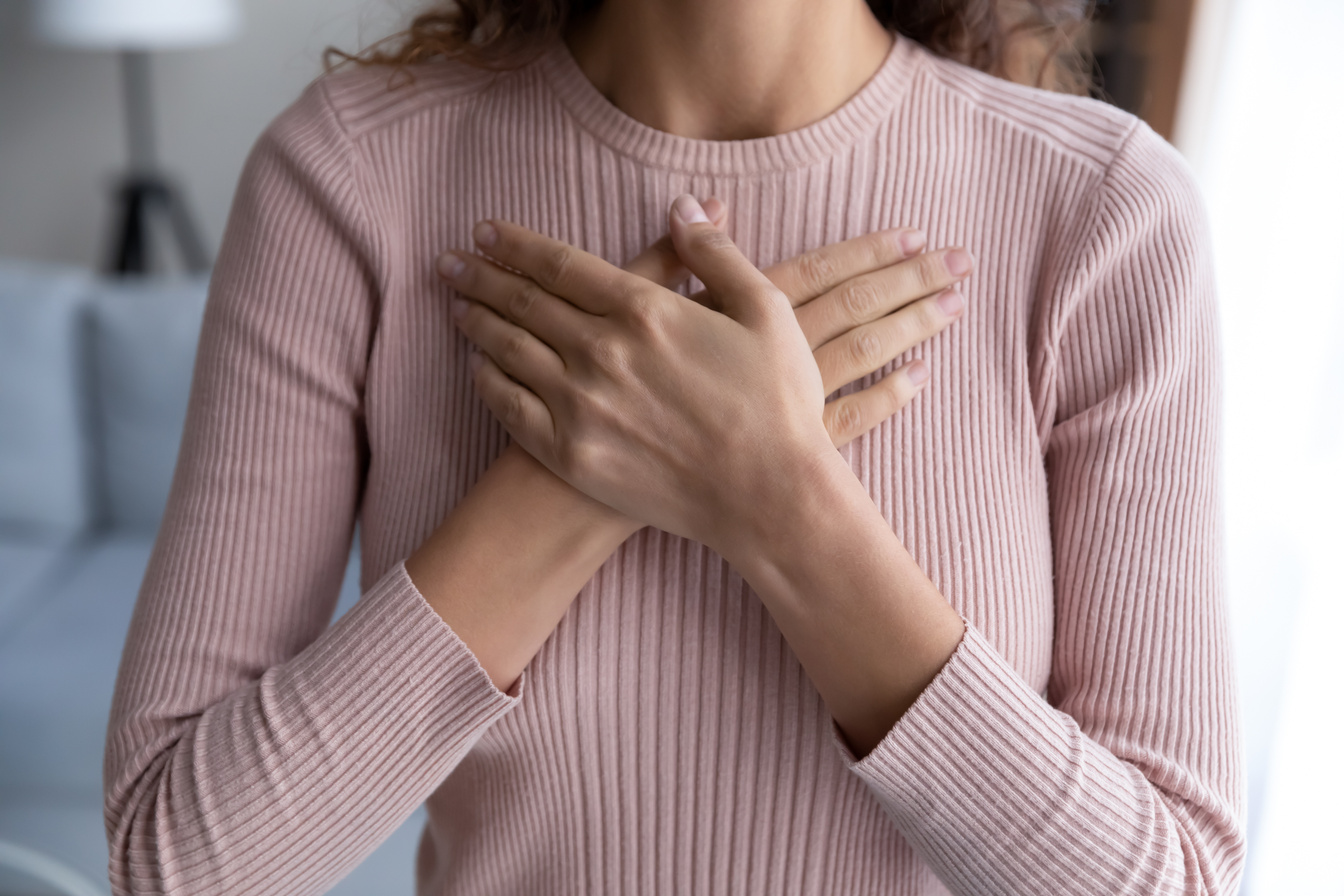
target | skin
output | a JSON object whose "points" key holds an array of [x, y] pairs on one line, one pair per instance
{"points": [[860, 303], [867, 625]]}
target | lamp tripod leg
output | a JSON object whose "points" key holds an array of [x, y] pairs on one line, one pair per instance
{"points": [[189, 240], [140, 200], [130, 244]]}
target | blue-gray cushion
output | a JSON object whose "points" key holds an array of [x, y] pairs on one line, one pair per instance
{"points": [[58, 665], [144, 334], [44, 459], [29, 568], [57, 668]]}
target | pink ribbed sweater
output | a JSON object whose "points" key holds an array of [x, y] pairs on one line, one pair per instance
{"points": [[1058, 480]]}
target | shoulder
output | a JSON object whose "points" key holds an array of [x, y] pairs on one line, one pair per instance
{"points": [[355, 102], [1136, 184], [1090, 131]]}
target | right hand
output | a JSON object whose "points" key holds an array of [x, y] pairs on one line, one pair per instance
{"points": [[860, 303]]}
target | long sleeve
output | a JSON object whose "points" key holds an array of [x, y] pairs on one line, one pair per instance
{"points": [[253, 747], [1126, 777]]}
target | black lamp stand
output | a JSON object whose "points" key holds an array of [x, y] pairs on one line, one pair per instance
{"points": [[145, 192]]}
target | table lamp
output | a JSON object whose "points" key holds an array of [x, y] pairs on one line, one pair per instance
{"points": [[135, 28]]}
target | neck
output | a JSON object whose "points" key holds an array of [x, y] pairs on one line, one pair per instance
{"points": [[716, 70]]}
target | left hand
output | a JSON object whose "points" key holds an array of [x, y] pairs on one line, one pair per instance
{"points": [[696, 421]]}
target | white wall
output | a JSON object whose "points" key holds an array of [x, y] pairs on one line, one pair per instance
{"points": [[61, 128], [1274, 184]]}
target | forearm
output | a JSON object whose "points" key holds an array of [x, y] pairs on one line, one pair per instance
{"points": [[504, 566], [283, 783], [865, 622]]}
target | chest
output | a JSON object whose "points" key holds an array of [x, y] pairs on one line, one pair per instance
{"points": [[958, 473]]}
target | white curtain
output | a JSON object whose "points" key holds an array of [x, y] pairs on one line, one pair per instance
{"points": [[1272, 167]]}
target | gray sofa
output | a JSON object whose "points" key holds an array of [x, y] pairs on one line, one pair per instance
{"points": [[94, 378]]}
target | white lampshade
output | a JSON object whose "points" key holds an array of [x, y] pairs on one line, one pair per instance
{"points": [[135, 24]]}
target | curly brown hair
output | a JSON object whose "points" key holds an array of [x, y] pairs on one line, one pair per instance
{"points": [[1036, 42]]}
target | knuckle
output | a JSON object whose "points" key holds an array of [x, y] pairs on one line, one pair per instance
{"points": [[512, 348], [866, 350], [513, 412], [577, 454], [883, 249], [894, 395], [860, 300], [775, 303], [587, 413], [556, 264], [929, 272], [931, 317], [904, 330], [816, 270], [521, 301], [470, 318], [713, 240], [641, 311], [605, 351], [848, 418]]}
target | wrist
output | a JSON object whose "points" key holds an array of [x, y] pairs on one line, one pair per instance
{"points": [[843, 590], [575, 512], [504, 565], [816, 488]]}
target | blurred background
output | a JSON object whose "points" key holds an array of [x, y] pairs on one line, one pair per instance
{"points": [[111, 162]]}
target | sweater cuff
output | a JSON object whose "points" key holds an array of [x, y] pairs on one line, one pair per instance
{"points": [[393, 647], [958, 749]]}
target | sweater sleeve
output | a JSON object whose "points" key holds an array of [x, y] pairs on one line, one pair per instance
{"points": [[254, 747], [1126, 778]]}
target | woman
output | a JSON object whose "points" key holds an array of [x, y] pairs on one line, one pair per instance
{"points": [[982, 648]]}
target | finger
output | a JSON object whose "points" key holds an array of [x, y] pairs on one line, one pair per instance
{"points": [[581, 278], [817, 271], [811, 274], [524, 415], [850, 416], [741, 290], [872, 296], [514, 298], [866, 348], [660, 262], [517, 352]]}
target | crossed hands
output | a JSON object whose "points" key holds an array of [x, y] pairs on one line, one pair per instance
{"points": [[702, 415]]}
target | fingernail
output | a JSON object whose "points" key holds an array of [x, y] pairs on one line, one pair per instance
{"points": [[484, 233], [951, 302], [918, 373], [911, 242], [457, 308], [958, 262], [713, 207], [451, 266], [475, 361], [688, 210]]}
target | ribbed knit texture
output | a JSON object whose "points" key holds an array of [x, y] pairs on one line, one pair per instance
{"points": [[1058, 480]]}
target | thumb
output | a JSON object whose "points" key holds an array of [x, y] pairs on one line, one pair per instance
{"points": [[660, 262], [740, 290]]}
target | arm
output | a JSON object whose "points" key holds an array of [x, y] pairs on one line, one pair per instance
{"points": [[502, 601], [1128, 778], [236, 706], [857, 302], [252, 746]]}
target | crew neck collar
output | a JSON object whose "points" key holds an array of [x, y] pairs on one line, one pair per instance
{"points": [[803, 146]]}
